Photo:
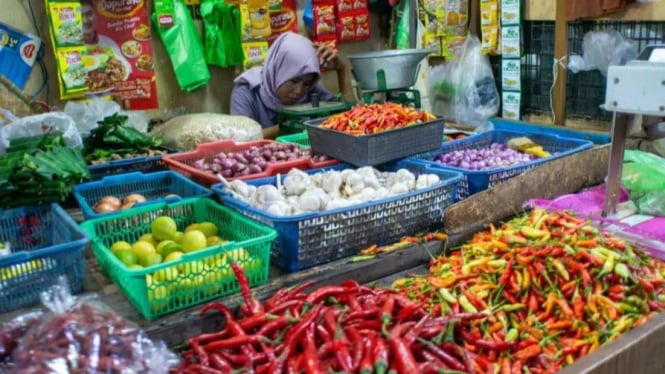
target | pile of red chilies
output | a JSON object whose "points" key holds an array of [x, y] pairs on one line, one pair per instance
{"points": [[346, 328]]}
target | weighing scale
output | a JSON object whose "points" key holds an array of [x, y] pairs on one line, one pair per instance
{"points": [[635, 88], [291, 119]]}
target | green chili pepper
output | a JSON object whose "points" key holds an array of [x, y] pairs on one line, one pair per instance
{"points": [[466, 305], [362, 258], [447, 295], [622, 270], [512, 307], [511, 335], [627, 307]]}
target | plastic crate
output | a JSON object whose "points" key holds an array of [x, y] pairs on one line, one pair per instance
{"points": [[154, 186], [375, 149], [182, 162], [197, 276], [300, 138], [532, 128], [128, 165], [45, 244], [475, 181], [310, 239]]}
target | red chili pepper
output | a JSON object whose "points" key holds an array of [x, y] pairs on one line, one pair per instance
{"points": [[325, 292], [311, 360], [201, 369], [273, 300], [507, 272], [387, 311], [527, 353], [578, 308], [565, 308], [524, 343], [294, 333], [446, 357], [251, 306], [286, 305], [509, 297], [220, 363], [380, 355], [366, 364], [648, 286], [233, 342], [534, 304], [406, 363], [357, 344], [487, 344]]}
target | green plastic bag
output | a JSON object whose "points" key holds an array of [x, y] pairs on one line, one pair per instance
{"points": [[184, 48], [223, 46], [402, 32], [644, 177]]}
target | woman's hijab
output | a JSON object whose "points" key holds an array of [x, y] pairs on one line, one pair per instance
{"points": [[290, 56]]}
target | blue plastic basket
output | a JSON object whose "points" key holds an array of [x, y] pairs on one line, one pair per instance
{"points": [[310, 239], [154, 186], [45, 244], [532, 128], [475, 181], [128, 165]]}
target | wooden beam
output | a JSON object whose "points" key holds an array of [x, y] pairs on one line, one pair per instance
{"points": [[562, 176], [560, 50], [545, 10]]}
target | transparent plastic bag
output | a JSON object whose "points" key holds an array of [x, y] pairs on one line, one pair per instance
{"points": [[644, 176], [83, 335], [86, 114], [602, 49], [464, 90], [6, 117], [39, 124]]}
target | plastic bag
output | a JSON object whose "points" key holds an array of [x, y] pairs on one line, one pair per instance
{"points": [[185, 49], [86, 114], [602, 49], [643, 175], [222, 33], [187, 131], [38, 124], [82, 335], [6, 117], [464, 90]]}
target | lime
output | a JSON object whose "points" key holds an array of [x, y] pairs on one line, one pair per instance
{"points": [[214, 240], [194, 267], [208, 229], [193, 241], [238, 254], [164, 228], [141, 249], [253, 266], [148, 238], [150, 259], [120, 245], [167, 274], [173, 256], [178, 236], [168, 249], [160, 246], [193, 226], [217, 261], [127, 257]]}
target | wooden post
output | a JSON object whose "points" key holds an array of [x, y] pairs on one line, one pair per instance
{"points": [[560, 50]]}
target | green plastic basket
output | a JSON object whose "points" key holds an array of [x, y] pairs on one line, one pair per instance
{"points": [[300, 138], [197, 276]]}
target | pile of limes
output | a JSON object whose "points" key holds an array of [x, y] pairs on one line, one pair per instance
{"points": [[165, 243]]}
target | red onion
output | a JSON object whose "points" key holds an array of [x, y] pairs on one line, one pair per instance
{"points": [[495, 155]]}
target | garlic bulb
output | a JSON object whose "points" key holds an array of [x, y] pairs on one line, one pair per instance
{"points": [[331, 182], [381, 193], [267, 194], [279, 208], [296, 182], [353, 183], [399, 188], [367, 194], [337, 203], [426, 180], [406, 177]]}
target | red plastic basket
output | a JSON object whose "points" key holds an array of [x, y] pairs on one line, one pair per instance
{"points": [[183, 162]]}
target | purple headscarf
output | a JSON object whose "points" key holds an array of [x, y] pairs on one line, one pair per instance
{"points": [[290, 56]]}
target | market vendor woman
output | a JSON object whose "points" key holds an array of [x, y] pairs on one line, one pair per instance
{"points": [[290, 75]]}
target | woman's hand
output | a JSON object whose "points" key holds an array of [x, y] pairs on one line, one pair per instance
{"points": [[329, 58]]}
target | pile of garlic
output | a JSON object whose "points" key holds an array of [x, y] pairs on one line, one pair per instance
{"points": [[301, 192]]}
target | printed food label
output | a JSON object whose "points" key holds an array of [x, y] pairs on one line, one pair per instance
{"points": [[511, 74], [66, 23]]}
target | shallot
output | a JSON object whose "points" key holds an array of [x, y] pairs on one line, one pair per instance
{"points": [[496, 155]]}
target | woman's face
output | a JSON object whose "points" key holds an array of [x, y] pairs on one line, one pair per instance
{"points": [[295, 89]]}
